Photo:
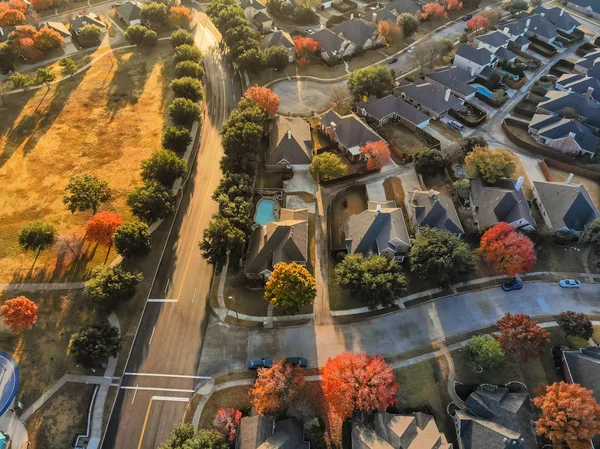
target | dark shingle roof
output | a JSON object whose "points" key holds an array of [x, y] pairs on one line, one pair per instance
{"points": [[499, 203], [290, 140], [505, 54], [87, 19], [129, 10], [261, 17], [558, 16], [277, 39], [566, 205], [386, 106], [430, 96], [495, 39], [583, 135], [453, 78], [593, 4], [481, 56], [436, 210], [350, 130], [328, 40], [402, 6], [554, 101], [356, 31], [259, 431], [533, 23]]}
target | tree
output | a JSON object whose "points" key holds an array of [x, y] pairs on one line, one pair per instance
{"points": [[180, 15], [536, 3], [132, 239], [234, 185], [435, 11], [568, 112], [183, 437], [328, 166], [591, 235], [189, 88], [101, 228], [429, 161], [290, 286], [276, 389], [37, 235], [67, 66], [422, 55], [19, 313], [308, 4], [375, 80], [221, 236], [576, 324], [478, 23], [90, 34], [163, 166], [485, 352], [522, 336], [11, 18], [181, 37], [339, 97], [468, 144], [186, 52], [151, 202], [276, 58], [42, 4], [150, 39], [135, 34], [93, 344], [44, 76], [569, 415], [442, 256], [154, 13], [377, 153], [389, 32], [109, 286], [189, 68], [265, 98], [184, 112], [20, 80], [47, 39], [493, 15], [180, 435], [86, 192], [491, 165], [409, 24], [461, 188], [226, 421], [7, 58], [358, 382], [306, 47], [453, 5], [176, 138], [508, 251], [515, 6], [375, 279]]}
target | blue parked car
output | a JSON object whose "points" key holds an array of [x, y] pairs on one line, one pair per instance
{"points": [[515, 284], [260, 363]]}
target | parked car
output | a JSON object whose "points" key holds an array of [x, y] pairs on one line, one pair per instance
{"points": [[309, 31], [260, 363], [410, 50], [391, 60], [515, 284], [467, 17], [297, 361], [569, 283]]}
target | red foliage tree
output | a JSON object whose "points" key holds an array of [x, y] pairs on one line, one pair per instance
{"points": [[389, 32], [19, 313], [265, 98], [42, 4], [18, 4], [277, 388], [303, 62], [11, 17], [358, 382], [570, 415], [435, 10], [378, 154], [306, 47], [508, 251], [226, 421], [23, 31], [522, 336], [453, 5], [102, 226], [477, 23]]}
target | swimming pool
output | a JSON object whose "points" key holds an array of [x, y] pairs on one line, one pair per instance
{"points": [[483, 90], [510, 75], [265, 212]]}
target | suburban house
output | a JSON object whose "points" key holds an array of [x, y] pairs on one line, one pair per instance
{"points": [[474, 60], [430, 98], [129, 12], [290, 145], [251, 8], [359, 32], [492, 41], [285, 240], [393, 108], [586, 63], [585, 107], [388, 431], [580, 84], [378, 230], [503, 202], [559, 18], [454, 79], [81, 20], [260, 431], [532, 26], [566, 135], [280, 39], [333, 47], [433, 209], [565, 207], [60, 28], [588, 7], [404, 6], [349, 132], [495, 418], [382, 14], [262, 21], [582, 366]]}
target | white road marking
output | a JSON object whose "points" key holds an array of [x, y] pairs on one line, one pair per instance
{"points": [[175, 390], [170, 398], [151, 336], [234, 98], [134, 393], [194, 297], [182, 376], [161, 300], [167, 286]]}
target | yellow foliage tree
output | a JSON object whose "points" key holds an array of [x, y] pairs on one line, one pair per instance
{"points": [[491, 165], [290, 286]]}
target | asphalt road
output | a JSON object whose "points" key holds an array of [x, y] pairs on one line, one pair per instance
{"points": [[161, 373]]}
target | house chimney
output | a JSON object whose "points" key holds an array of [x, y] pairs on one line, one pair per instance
{"points": [[374, 18], [543, 14], [505, 30], [590, 91], [332, 125], [472, 71], [378, 208], [352, 16], [527, 23], [562, 11], [572, 135], [519, 183], [447, 96], [289, 133], [570, 178]]}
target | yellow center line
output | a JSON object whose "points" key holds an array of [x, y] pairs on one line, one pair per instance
{"points": [[145, 424]]}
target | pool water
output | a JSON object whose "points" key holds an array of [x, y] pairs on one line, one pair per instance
{"points": [[510, 75], [483, 90], [265, 212]]}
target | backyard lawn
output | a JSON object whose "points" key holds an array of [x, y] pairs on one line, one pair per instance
{"points": [[350, 202], [235, 397], [401, 137], [104, 121]]}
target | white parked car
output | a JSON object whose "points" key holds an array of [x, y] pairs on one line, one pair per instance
{"points": [[410, 49], [569, 283]]}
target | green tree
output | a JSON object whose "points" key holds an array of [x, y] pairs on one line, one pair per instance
{"points": [[90, 34], [536, 3], [135, 34], [461, 188], [276, 58], [151, 201], [93, 344], [187, 52], [44, 76], [215, 7], [19, 80], [164, 166], [7, 58], [203, 439], [468, 144], [184, 112], [181, 37], [491, 165], [376, 280], [251, 59], [328, 166], [442, 256], [176, 138], [67, 66], [219, 237], [409, 24], [189, 88], [154, 13], [110, 286], [375, 80], [37, 236], [238, 211], [291, 287], [132, 239], [234, 185], [189, 68], [179, 436], [591, 236], [150, 39], [576, 324], [485, 352], [86, 192], [429, 161], [515, 6]]}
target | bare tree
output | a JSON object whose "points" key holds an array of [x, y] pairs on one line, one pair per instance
{"points": [[69, 243], [422, 55], [339, 97]]}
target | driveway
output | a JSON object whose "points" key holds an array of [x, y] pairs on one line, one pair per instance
{"points": [[301, 97]]}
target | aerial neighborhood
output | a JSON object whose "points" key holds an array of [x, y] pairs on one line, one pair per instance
{"points": [[300, 224]]}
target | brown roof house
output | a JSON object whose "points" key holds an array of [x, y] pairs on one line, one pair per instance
{"points": [[433, 209], [285, 240], [290, 145], [264, 433], [378, 230]]}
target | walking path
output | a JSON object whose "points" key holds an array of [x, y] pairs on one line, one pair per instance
{"points": [[49, 286]]}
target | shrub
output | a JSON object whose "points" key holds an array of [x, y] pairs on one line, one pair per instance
{"points": [[135, 34], [187, 52], [189, 68], [150, 39], [183, 111], [189, 88], [181, 37], [176, 138], [132, 239], [163, 166]]}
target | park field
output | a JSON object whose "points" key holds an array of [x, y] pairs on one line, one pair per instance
{"points": [[103, 121]]}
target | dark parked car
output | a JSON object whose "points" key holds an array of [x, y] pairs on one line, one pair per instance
{"points": [[467, 17], [515, 284], [297, 361], [392, 59], [260, 363]]}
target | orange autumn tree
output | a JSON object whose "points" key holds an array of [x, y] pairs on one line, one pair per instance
{"points": [[11, 17], [180, 15], [570, 415], [358, 382], [507, 250], [477, 23], [435, 10], [378, 154], [277, 388], [306, 48], [101, 228], [453, 5], [522, 336], [226, 421], [19, 313], [389, 32], [265, 98]]}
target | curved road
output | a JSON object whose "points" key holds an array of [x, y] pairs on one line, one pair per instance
{"points": [[161, 373]]}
